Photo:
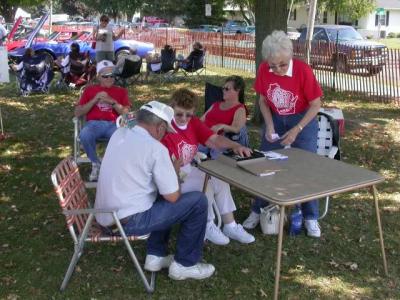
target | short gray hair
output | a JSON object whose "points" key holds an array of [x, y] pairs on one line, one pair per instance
{"points": [[277, 43], [148, 118]]}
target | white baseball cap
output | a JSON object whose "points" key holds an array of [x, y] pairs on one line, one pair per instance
{"points": [[162, 111], [104, 64]]}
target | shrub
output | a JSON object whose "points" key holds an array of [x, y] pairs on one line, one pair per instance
{"points": [[398, 35], [369, 37], [391, 35]]}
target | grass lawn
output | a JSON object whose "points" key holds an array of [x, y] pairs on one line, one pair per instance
{"points": [[392, 43], [345, 263]]}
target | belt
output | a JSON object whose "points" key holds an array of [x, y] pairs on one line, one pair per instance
{"points": [[114, 228]]}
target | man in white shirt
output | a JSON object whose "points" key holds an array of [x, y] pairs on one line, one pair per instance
{"points": [[139, 179]]}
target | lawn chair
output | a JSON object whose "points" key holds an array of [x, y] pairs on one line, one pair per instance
{"points": [[328, 143], [165, 68], [130, 73], [81, 222], [196, 68]]}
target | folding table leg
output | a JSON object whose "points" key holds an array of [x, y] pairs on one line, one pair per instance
{"points": [[378, 219], [279, 252]]}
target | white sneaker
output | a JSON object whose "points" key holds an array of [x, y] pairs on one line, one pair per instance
{"points": [[155, 263], [312, 228], [238, 233], [94, 175], [215, 235], [252, 221], [198, 271]]}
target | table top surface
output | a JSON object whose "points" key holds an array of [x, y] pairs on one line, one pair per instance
{"points": [[304, 176]]}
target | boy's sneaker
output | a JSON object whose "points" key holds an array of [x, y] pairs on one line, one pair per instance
{"points": [[155, 263], [94, 175], [312, 228], [198, 271], [238, 233], [215, 235], [252, 221]]}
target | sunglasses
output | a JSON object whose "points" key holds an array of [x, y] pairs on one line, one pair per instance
{"points": [[226, 89], [181, 115], [107, 76], [276, 67]]}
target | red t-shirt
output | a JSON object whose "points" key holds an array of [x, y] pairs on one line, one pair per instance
{"points": [[287, 95], [218, 116], [104, 111], [184, 142]]}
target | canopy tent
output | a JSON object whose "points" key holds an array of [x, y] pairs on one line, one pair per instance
{"points": [[21, 13]]}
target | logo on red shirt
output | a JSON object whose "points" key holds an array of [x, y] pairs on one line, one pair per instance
{"points": [[283, 100], [186, 152]]}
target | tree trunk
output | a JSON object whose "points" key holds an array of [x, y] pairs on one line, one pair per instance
{"points": [[270, 15]]}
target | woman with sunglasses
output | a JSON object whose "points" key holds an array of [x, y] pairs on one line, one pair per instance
{"points": [[183, 147], [104, 36], [290, 98], [228, 116]]}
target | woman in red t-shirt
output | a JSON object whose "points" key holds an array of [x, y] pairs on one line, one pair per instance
{"points": [[290, 98], [228, 116], [183, 146]]}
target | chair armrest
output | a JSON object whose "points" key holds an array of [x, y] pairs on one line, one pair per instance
{"points": [[88, 211]]}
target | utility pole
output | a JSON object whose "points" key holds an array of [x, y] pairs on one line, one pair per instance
{"points": [[51, 16]]}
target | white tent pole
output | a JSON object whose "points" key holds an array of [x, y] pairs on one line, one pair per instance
{"points": [[1, 123], [290, 11], [310, 26]]}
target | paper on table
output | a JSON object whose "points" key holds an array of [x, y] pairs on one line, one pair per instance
{"points": [[263, 167], [274, 155]]}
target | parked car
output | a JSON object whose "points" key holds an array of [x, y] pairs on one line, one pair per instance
{"points": [[293, 33], [206, 28], [343, 47], [234, 27]]}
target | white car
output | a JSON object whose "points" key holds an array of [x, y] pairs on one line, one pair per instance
{"points": [[293, 33]]}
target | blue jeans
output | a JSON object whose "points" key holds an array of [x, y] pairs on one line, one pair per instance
{"points": [[92, 131], [306, 140], [190, 211]]}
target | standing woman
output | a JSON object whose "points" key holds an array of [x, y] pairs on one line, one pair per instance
{"points": [[104, 37], [290, 98]]}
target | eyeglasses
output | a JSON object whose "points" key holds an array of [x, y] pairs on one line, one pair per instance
{"points": [[181, 115], [107, 76], [280, 66]]}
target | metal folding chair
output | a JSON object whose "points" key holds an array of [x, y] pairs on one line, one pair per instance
{"points": [[328, 143], [81, 222]]}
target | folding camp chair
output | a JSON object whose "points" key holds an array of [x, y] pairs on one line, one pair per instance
{"points": [[130, 73], [328, 143], [165, 68], [81, 222], [197, 67]]}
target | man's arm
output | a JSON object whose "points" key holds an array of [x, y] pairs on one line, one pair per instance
{"points": [[173, 197]]}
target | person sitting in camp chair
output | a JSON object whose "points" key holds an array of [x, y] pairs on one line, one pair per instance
{"points": [[131, 55], [75, 67], [194, 61], [162, 64], [101, 104], [228, 115]]}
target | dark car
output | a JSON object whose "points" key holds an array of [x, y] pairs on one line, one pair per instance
{"points": [[343, 48]]}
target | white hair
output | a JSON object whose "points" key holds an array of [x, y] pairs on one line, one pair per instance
{"points": [[277, 43]]}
